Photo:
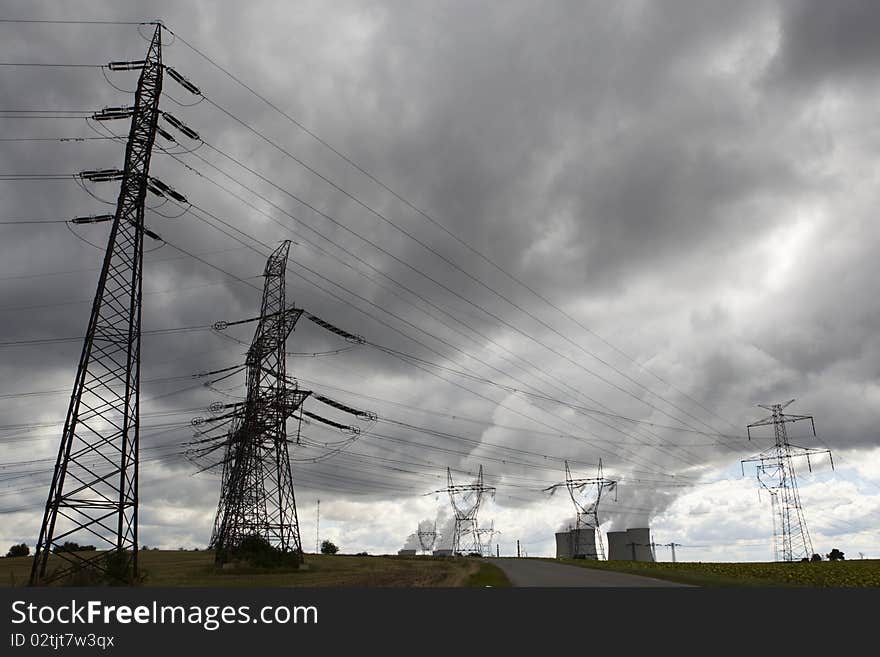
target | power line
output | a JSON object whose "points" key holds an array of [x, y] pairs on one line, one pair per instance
{"points": [[312, 271], [356, 295], [9, 222], [58, 139], [91, 269], [452, 264], [386, 252], [435, 222], [77, 338], [441, 285], [76, 22], [349, 291], [251, 170], [382, 322], [49, 65]]}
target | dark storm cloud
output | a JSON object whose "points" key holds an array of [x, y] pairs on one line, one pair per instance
{"points": [[828, 43]]}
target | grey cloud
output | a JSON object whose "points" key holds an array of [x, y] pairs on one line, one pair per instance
{"points": [[827, 44]]}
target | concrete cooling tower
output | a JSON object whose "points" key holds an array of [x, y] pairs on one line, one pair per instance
{"points": [[576, 544], [632, 545], [617, 548], [641, 536]]}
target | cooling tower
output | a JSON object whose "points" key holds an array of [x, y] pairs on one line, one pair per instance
{"points": [[564, 545], [576, 544], [641, 536], [617, 548], [584, 541]]}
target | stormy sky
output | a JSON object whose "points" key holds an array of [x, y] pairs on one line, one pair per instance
{"points": [[566, 230]]}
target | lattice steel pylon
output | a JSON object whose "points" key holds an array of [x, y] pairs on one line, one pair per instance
{"points": [[466, 500], [586, 504], [776, 474], [427, 538], [257, 497], [93, 496], [485, 536]]}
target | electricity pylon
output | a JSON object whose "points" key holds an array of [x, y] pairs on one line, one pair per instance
{"points": [[427, 538], [93, 496], [485, 536], [586, 494], [776, 474], [466, 500], [257, 497]]}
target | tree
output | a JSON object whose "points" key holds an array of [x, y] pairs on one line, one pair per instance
{"points": [[835, 555], [328, 548], [816, 557], [20, 550]]}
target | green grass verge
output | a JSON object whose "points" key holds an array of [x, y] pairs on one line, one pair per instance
{"points": [[837, 574], [488, 575]]}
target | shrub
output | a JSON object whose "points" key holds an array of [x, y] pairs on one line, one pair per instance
{"points": [[72, 546], [113, 568], [328, 547], [256, 551]]}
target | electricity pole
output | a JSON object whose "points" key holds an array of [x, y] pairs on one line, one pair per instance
{"points": [[586, 494], [672, 547], [94, 491], [257, 497], [776, 473], [427, 538], [466, 500]]}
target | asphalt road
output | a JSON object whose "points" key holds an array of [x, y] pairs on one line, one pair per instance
{"points": [[533, 572]]}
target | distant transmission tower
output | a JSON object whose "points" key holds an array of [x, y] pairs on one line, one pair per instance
{"points": [[93, 496], [485, 536], [466, 500], [427, 538], [256, 497], [586, 494], [776, 474]]}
